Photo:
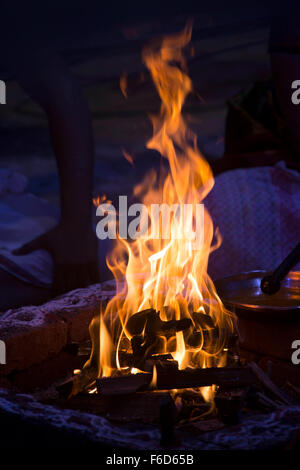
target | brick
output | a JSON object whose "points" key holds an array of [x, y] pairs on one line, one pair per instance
{"points": [[28, 344], [34, 334], [78, 320]]}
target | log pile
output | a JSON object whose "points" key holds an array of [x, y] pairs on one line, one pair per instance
{"points": [[161, 393]]}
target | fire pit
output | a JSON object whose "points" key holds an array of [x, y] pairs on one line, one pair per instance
{"points": [[34, 406], [163, 349]]}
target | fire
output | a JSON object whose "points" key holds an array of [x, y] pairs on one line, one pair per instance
{"points": [[169, 274], [128, 157], [123, 84], [100, 199]]}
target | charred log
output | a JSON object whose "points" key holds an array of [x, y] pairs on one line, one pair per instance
{"points": [[236, 377]]}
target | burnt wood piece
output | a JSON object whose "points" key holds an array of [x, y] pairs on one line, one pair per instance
{"points": [[206, 339], [235, 377], [148, 322], [146, 346], [162, 357], [229, 404], [123, 385], [143, 347], [84, 379], [80, 382], [166, 328], [128, 359], [148, 331], [146, 365], [169, 364], [202, 321], [269, 385], [225, 377], [136, 323]]}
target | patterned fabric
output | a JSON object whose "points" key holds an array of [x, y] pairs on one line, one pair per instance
{"points": [[258, 213]]}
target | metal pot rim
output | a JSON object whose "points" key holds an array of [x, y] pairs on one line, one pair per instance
{"points": [[228, 286]]}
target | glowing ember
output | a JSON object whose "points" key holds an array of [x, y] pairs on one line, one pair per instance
{"points": [[169, 274]]}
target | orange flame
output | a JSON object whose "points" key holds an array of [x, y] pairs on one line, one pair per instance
{"points": [[100, 199], [123, 84], [169, 274], [128, 157]]}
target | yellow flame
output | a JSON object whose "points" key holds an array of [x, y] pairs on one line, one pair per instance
{"points": [[128, 157], [105, 350], [123, 84], [169, 274], [153, 383], [100, 199]]}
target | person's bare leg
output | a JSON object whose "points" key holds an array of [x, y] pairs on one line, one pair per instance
{"points": [[34, 63]]}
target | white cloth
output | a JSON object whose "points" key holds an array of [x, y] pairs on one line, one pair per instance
{"points": [[23, 217], [257, 211]]}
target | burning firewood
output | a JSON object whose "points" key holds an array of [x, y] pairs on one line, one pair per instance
{"points": [[203, 321], [83, 379], [149, 323], [236, 377], [149, 332], [144, 347]]}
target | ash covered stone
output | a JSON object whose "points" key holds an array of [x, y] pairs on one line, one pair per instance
{"points": [[255, 432]]}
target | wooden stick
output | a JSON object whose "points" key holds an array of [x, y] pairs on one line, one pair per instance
{"points": [[268, 384], [80, 382], [124, 384], [295, 389], [83, 379], [225, 377], [266, 401], [235, 377]]}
